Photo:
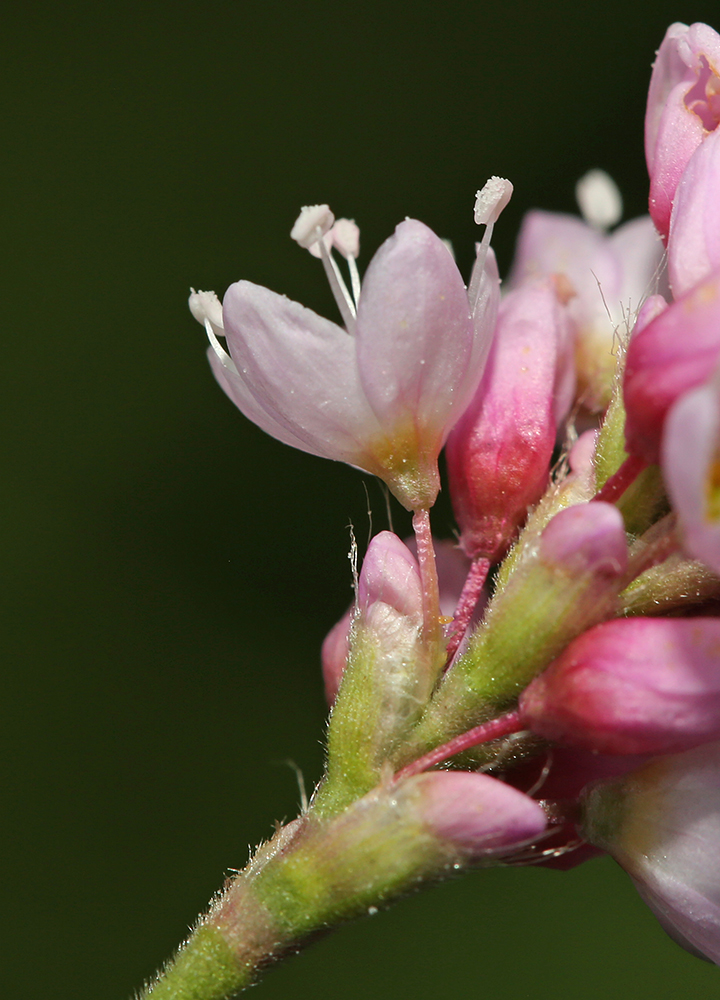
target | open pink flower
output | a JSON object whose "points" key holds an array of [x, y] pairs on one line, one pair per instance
{"points": [[381, 394], [683, 108], [603, 277]]}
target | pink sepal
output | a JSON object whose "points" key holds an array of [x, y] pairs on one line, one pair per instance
{"points": [[334, 654], [390, 575]]}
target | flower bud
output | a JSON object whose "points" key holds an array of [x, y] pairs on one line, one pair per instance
{"points": [[586, 540], [683, 106], [662, 824], [498, 454], [631, 686], [389, 671], [478, 815]]}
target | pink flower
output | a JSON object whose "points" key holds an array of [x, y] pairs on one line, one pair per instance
{"points": [[662, 824], [690, 464], [603, 278], [632, 686], [499, 452], [381, 394], [683, 107]]}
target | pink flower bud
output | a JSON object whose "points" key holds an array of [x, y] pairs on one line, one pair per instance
{"points": [[498, 454], [674, 353], [588, 538], [389, 569], [476, 814], [390, 576], [662, 824], [694, 242], [638, 685], [683, 107]]}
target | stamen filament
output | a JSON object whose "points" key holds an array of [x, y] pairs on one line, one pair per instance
{"points": [[339, 289]]}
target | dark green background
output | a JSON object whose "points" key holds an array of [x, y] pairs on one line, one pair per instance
{"points": [[169, 572]]}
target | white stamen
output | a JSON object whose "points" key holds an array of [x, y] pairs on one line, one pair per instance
{"points": [[339, 289], [327, 242], [346, 237], [225, 360], [599, 199], [491, 200], [489, 203], [206, 306], [312, 224]]}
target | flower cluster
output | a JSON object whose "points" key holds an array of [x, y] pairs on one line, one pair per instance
{"points": [[572, 704]]}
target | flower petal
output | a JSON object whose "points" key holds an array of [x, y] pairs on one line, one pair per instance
{"points": [[301, 369], [414, 334], [694, 242]]}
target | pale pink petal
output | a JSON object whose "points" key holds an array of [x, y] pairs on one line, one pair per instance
{"points": [[694, 242], [689, 462], [414, 334], [638, 246], [301, 368], [662, 824], [236, 390], [672, 354]]}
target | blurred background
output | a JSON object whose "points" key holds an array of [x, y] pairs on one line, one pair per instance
{"points": [[168, 571]]}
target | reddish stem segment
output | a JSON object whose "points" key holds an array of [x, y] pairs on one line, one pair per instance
{"points": [[616, 485], [504, 725], [472, 589], [428, 575]]}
